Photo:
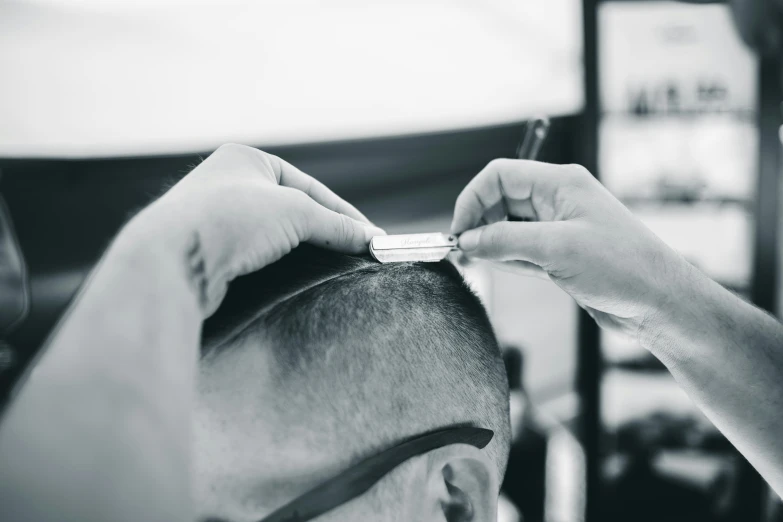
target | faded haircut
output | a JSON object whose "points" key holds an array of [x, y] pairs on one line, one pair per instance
{"points": [[375, 352]]}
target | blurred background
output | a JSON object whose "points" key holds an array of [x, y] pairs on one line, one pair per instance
{"points": [[395, 105]]}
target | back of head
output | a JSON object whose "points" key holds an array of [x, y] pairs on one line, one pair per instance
{"points": [[360, 355]]}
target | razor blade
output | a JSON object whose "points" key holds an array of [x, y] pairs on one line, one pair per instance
{"points": [[428, 248]]}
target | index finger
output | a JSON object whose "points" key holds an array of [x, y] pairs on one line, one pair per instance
{"points": [[289, 176], [503, 178]]}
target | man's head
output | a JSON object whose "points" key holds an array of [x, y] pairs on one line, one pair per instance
{"points": [[322, 360]]}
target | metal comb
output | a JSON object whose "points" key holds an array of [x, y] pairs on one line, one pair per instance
{"points": [[412, 247]]}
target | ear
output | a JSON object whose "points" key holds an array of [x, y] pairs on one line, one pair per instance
{"points": [[461, 485]]}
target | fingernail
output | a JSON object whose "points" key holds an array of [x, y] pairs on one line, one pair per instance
{"points": [[469, 240]]}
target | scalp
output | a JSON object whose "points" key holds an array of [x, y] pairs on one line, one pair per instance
{"points": [[372, 352]]}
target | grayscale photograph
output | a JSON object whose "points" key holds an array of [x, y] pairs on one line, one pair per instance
{"points": [[391, 260]]}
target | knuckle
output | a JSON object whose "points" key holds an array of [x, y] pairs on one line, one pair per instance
{"points": [[496, 236], [231, 148], [295, 197], [570, 196], [241, 154], [495, 163], [275, 160], [271, 162], [500, 164], [297, 208], [578, 174], [346, 232]]}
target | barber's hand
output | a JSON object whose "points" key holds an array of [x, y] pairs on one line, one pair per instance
{"points": [[242, 209], [581, 236]]}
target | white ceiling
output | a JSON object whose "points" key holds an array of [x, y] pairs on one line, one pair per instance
{"points": [[88, 78]]}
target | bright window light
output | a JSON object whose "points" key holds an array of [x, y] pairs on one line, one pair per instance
{"points": [[107, 78]]}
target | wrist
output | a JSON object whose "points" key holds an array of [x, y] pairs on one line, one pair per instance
{"points": [[159, 231], [683, 318], [157, 248]]}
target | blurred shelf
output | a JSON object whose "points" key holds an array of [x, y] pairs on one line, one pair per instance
{"points": [[680, 197], [630, 396], [683, 114]]}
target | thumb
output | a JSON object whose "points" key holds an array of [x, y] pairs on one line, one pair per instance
{"points": [[335, 231], [533, 242]]}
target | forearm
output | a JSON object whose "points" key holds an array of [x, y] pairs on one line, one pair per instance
{"points": [[728, 356], [103, 421]]}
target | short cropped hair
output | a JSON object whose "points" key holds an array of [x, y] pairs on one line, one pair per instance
{"points": [[380, 351]]}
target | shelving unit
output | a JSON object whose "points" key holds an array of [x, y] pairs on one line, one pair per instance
{"points": [[759, 285]]}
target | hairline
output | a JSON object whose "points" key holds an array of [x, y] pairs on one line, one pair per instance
{"points": [[267, 309]]}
